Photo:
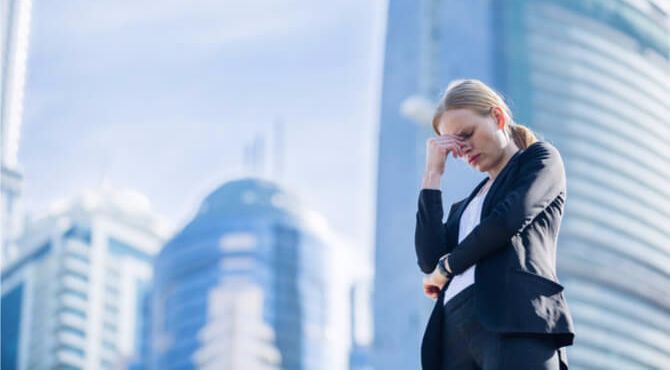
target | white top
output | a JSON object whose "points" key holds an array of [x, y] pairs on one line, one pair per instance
{"points": [[469, 220]]}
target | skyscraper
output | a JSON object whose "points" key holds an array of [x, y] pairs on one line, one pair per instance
{"points": [[253, 281], [598, 85], [428, 43], [592, 77], [359, 356], [72, 298], [14, 32]]}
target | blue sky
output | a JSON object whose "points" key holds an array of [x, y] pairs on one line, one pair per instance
{"points": [[163, 96]]}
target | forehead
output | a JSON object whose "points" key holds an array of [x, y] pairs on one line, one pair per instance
{"points": [[455, 121]]}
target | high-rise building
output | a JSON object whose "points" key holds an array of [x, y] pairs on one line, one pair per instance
{"points": [[359, 355], [72, 299], [428, 43], [253, 282], [592, 77], [598, 85], [14, 32]]}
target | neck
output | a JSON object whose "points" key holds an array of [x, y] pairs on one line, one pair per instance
{"points": [[508, 152]]}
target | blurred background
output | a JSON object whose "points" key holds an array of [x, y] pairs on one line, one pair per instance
{"points": [[233, 185]]}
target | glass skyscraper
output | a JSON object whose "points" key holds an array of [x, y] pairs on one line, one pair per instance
{"points": [[593, 78], [248, 284], [72, 299], [428, 43], [598, 85]]}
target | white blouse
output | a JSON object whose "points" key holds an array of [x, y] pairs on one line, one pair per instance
{"points": [[469, 220]]}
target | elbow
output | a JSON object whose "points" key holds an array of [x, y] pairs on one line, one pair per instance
{"points": [[426, 268], [424, 257], [425, 261], [428, 252]]}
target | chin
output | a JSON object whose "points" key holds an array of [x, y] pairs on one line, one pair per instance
{"points": [[480, 168]]}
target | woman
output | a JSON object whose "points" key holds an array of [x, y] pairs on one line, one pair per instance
{"points": [[492, 265]]}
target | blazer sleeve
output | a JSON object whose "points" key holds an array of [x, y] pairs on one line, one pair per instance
{"points": [[431, 239], [540, 180]]}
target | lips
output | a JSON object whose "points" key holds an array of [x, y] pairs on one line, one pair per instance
{"points": [[474, 159]]}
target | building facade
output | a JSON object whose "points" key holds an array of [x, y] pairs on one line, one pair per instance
{"points": [[14, 36], [424, 50], [72, 299], [592, 78], [598, 85], [250, 282]]}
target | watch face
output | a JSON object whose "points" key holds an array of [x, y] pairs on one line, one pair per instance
{"points": [[440, 265]]}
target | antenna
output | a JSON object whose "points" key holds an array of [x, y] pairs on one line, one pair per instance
{"points": [[259, 146], [278, 149]]}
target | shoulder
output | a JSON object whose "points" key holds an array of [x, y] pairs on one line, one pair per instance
{"points": [[540, 147], [544, 159], [541, 151]]}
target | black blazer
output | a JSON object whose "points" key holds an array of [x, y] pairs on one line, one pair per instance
{"points": [[514, 246]]}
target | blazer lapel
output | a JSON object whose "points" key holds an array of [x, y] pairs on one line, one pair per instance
{"points": [[489, 196], [462, 207], [500, 179]]}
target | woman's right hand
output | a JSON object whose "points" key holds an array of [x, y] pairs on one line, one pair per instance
{"points": [[437, 150]]}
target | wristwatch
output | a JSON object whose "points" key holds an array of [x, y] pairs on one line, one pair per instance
{"points": [[441, 267]]}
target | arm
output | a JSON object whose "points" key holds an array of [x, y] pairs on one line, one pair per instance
{"points": [[430, 237], [540, 180]]}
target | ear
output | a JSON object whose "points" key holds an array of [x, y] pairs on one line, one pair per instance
{"points": [[499, 117]]}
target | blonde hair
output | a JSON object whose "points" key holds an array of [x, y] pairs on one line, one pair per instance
{"points": [[479, 98]]}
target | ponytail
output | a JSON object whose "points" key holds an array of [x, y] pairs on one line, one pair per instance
{"points": [[523, 136]]}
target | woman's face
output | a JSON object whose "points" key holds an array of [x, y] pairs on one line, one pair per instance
{"points": [[483, 136]]}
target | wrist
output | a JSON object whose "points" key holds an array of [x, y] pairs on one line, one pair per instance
{"points": [[443, 266], [431, 180]]}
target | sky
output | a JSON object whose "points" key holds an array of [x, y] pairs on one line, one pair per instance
{"points": [[163, 97]]}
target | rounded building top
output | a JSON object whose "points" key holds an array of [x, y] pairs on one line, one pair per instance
{"points": [[241, 204], [247, 196]]}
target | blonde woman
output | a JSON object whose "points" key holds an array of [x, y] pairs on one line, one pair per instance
{"points": [[491, 267]]}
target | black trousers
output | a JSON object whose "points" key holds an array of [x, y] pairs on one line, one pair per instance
{"points": [[469, 346]]}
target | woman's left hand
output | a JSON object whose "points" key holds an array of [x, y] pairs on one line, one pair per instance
{"points": [[433, 283]]}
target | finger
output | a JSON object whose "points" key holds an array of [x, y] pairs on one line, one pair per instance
{"points": [[430, 293], [456, 151], [449, 146], [461, 150], [445, 149], [442, 139], [450, 136]]}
